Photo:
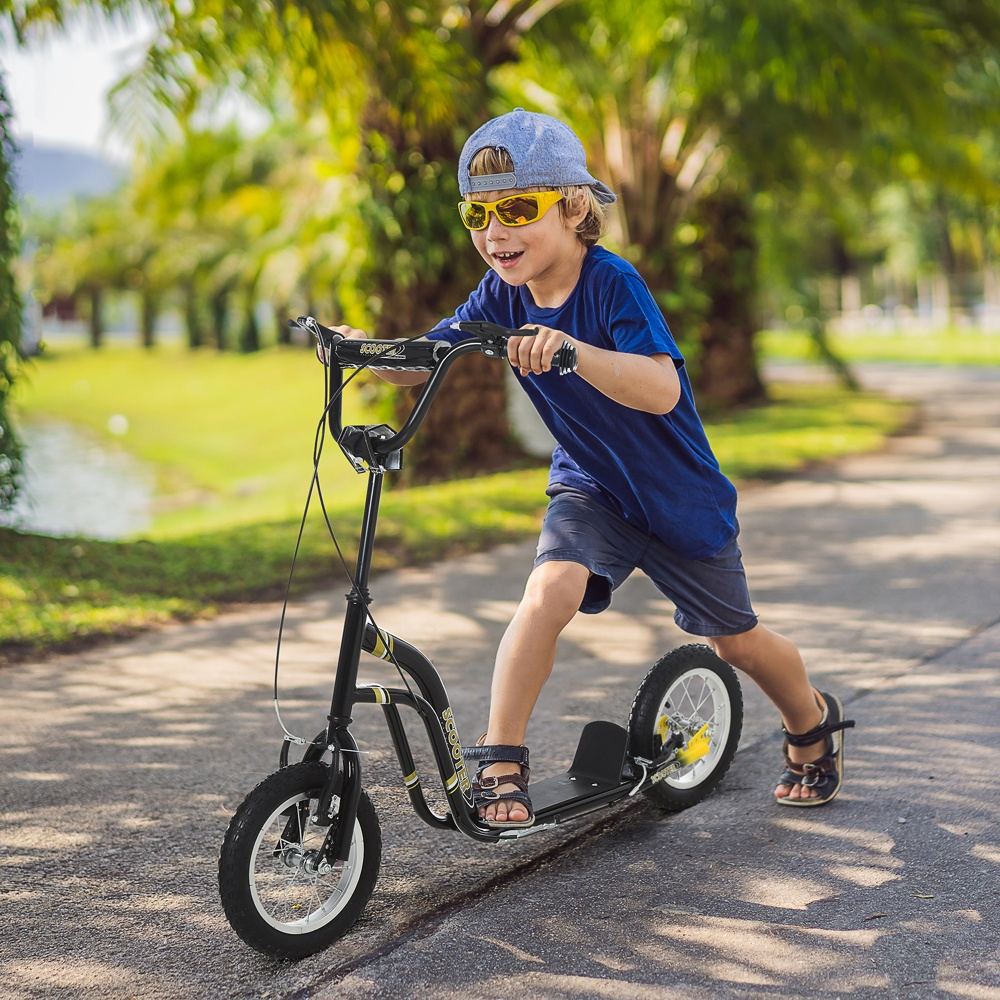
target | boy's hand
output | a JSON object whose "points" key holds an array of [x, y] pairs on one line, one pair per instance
{"points": [[345, 331], [533, 355]]}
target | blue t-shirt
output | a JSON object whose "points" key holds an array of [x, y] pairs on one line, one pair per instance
{"points": [[656, 470]]}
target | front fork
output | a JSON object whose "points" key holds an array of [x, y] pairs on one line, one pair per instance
{"points": [[338, 800], [337, 807]]}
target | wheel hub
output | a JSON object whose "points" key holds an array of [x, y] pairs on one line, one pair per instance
{"points": [[310, 862]]}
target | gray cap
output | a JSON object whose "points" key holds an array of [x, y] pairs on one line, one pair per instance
{"points": [[546, 153]]}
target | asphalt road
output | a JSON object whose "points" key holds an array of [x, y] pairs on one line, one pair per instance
{"points": [[120, 767]]}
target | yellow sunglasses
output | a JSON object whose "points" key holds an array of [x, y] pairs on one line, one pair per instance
{"points": [[514, 210]]}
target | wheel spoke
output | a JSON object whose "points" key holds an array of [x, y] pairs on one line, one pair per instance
{"points": [[319, 898], [708, 694], [686, 693]]}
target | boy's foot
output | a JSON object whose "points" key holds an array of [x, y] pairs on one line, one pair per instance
{"points": [[814, 768], [803, 755], [507, 811], [500, 788]]}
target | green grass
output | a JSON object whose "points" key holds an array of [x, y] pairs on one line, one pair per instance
{"points": [[57, 590], [218, 422], [945, 347], [230, 435]]}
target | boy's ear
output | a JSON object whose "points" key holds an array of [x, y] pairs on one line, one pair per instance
{"points": [[577, 206]]}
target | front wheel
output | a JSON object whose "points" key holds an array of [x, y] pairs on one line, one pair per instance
{"points": [[280, 895], [692, 692]]}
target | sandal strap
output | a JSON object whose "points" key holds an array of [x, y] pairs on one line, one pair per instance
{"points": [[487, 798], [817, 773], [790, 777], [826, 729], [496, 753], [827, 762], [486, 788], [495, 780]]}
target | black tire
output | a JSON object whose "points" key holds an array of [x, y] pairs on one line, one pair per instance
{"points": [[675, 794], [250, 878]]}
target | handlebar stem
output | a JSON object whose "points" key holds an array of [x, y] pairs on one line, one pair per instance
{"points": [[427, 394]]}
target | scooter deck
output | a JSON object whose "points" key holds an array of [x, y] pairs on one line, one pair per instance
{"points": [[595, 778]]}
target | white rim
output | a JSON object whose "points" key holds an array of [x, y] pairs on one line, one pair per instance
{"points": [[698, 696], [293, 900]]}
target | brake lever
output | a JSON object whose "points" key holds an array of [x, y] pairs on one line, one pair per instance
{"points": [[492, 336], [494, 340]]}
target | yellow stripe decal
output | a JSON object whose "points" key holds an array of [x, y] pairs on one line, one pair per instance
{"points": [[384, 645], [411, 779], [382, 696], [452, 783]]}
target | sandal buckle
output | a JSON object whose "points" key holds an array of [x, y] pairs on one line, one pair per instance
{"points": [[814, 775]]}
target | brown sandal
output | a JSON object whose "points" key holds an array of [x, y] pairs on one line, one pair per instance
{"points": [[484, 790], [825, 774]]}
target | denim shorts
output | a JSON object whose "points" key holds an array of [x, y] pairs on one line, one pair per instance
{"points": [[710, 595]]}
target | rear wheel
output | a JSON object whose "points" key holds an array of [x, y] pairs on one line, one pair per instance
{"points": [[279, 893], [692, 692]]}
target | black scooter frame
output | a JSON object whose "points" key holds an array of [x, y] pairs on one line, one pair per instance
{"points": [[602, 772]]}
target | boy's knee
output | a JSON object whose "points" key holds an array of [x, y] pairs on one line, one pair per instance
{"points": [[736, 649], [554, 591]]}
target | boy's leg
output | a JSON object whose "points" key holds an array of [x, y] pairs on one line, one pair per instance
{"points": [[524, 661], [775, 665], [711, 597]]}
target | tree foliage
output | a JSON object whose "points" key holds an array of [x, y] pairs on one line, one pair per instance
{"points": [[746, 140]]}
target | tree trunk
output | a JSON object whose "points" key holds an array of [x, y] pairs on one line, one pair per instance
{"points": [[250, 330], [95, 321], [421, 269], [193, 324], [149, 311], [727, 373], [283, 332], [219, 307]]}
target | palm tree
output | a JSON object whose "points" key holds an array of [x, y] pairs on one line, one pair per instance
{"points": [[411, 80], [690, 107]]}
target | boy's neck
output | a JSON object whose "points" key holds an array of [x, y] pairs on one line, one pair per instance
{"points": [[551, 289]]}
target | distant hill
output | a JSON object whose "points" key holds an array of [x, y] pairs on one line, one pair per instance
{"points": [[50, 176]]}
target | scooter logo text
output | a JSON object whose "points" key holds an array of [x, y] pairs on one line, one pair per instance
{"points": [[384, 350], [451, 731]]}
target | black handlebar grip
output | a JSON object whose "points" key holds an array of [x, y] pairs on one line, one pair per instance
{"points": [[565, 359]]}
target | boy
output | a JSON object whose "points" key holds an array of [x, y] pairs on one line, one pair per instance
{"points": [[633, 481]]}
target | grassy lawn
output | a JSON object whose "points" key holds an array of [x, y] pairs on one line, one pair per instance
{"points": [[230, 435], [945, 347], [235, 434]]}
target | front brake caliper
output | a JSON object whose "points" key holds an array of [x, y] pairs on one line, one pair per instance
{"points": [[696, 747]]}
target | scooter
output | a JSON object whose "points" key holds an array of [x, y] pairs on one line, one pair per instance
{"points": [[301, 856]]}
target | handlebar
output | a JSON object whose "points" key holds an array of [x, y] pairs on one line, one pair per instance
{"points": [[420, 355], [413, 355]]}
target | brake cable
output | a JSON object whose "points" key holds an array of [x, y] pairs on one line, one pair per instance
{"points": [[318, 441]]}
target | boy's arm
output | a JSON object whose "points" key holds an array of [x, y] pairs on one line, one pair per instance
{"points": [[639, 381], [396, 378]]}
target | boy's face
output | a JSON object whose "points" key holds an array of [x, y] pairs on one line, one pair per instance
{"points": [[521, 254]]}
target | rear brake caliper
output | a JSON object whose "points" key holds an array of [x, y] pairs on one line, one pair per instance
{"points": [[696, 747]]}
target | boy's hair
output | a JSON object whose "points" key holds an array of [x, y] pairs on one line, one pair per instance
{"points": [[496, 160]]}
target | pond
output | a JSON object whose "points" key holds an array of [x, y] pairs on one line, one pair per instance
{"points": [[74, 484]]}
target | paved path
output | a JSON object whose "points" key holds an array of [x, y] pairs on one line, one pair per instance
{"points": [[121, 766]]}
